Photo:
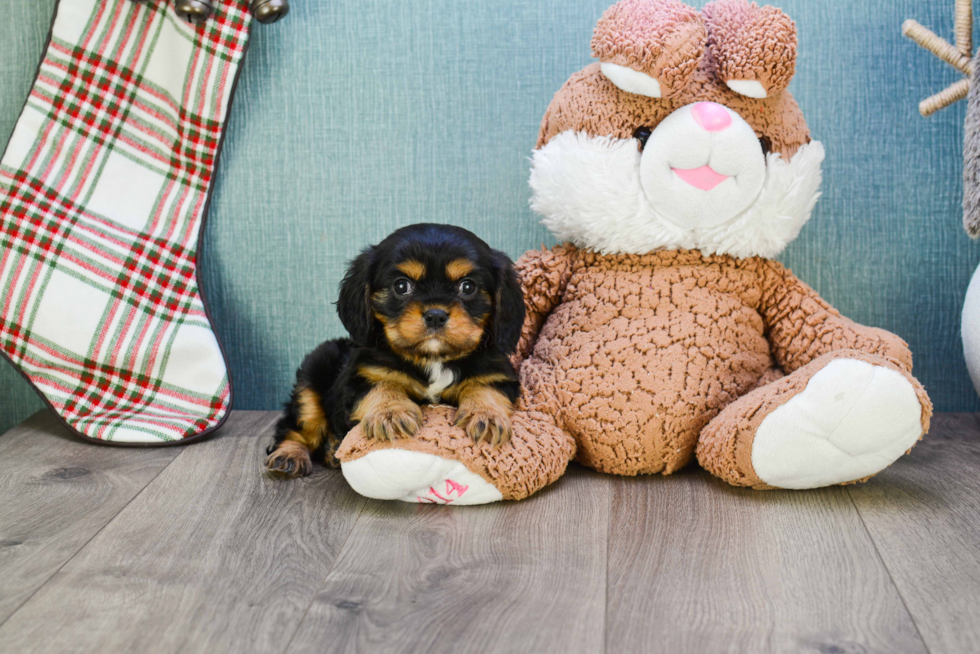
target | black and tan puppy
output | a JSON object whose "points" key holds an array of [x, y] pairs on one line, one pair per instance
{"points": [[433, 314]]}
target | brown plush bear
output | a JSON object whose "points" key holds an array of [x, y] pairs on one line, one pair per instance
{"points": [[674, 170]]}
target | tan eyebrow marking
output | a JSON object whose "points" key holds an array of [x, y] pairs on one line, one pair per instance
{"points": [[458, 268], [412, 268]]}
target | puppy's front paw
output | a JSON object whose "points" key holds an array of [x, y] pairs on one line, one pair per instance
{"points": [[393, 421], [485, 422], [289, 460]]}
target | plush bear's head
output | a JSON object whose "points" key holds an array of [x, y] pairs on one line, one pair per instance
{"points": [[682, 136]]}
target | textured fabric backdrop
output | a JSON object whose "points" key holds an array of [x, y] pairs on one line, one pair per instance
{"points": [[353, 118]]}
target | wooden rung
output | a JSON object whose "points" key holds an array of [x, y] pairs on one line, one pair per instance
{"points": [[964, 27], [938, 46], [944, 98]]}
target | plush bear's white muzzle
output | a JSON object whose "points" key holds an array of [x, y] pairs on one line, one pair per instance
{"points": [[702, 165], [700, 182]]}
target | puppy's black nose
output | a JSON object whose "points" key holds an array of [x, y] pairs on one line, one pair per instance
{"points": [[435, 318]]}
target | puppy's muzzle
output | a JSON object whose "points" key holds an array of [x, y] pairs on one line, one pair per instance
{"points": [[435, 318]]}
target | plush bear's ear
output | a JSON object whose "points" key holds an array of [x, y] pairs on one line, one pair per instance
{"points": [[508, 306], [753, 48], [649, 47], [354, 304]]}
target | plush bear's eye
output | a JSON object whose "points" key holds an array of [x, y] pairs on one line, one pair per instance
{"points": [[766, 145], [641, 134]]}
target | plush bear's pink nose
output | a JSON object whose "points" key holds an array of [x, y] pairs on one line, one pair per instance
{"points": [[711, 116]]}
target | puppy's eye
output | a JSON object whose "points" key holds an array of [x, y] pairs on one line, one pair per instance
{"points": [[467, 289], [766, 144], [402, 287]]}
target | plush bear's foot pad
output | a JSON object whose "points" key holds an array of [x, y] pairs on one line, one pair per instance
{"points": [[395, 474], [442, 463], [851, 421]]}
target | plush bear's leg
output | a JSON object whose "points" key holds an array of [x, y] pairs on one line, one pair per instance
{"points": [[841, 418], [443, 465]]}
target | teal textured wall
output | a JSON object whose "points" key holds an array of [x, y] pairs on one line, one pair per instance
{"points": [[353, 118]]}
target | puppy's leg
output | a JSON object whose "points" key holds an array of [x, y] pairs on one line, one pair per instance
{"points": [[386, 412], [301, 431], [331, 444], [304, 426], [484, 412]]}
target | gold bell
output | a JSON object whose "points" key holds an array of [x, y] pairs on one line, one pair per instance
{"points": [[194, 12], [269, 11]]}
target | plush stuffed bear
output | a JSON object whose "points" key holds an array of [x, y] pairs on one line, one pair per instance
{"points": [[674, 170]]}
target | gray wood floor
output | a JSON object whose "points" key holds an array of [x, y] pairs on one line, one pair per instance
{"points": [[195, 550]]}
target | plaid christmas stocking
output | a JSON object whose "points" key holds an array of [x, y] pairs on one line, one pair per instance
{"points": [[104, 187]]}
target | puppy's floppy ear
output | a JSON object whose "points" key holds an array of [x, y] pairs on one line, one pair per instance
{"points": [[508, 312], [354, 304]]}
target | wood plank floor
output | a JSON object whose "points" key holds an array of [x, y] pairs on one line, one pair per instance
{"points": [[195, 550]]}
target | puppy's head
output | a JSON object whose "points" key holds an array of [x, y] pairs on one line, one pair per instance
{"points": [[433, 293]]}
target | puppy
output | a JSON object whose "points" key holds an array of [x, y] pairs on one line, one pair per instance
{"points": [[433, 314]]}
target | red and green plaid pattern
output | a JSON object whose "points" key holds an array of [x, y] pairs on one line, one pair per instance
{"points": [[103, 189]]}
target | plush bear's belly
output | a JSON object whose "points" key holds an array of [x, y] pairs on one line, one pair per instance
{"points": [[644, 357]]}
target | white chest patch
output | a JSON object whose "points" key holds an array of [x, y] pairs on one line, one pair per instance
{"points": [[440, 378]]}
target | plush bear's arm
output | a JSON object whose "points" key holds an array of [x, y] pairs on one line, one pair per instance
{"points": [[544, 276], [802, 326]]}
